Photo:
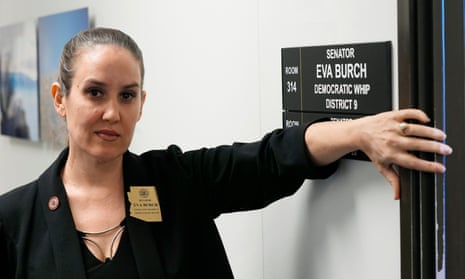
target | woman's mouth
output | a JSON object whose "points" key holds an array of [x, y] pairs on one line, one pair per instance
{"points": [[108, 134]]}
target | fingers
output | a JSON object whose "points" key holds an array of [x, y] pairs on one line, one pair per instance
{"points": [[391, 176], [424, 145], [410, 161], [417, 137], [410, 129], [412, 114]]}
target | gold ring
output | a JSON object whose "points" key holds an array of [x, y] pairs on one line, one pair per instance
{"points": [[403, 126]]}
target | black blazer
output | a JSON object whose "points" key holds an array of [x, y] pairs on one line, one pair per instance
{"points": [[193, 189]]}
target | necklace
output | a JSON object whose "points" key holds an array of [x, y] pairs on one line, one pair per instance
{"points": [[87, 238], [102, 232]]}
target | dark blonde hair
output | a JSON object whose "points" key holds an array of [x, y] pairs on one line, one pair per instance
{"points": [[89, 38]]}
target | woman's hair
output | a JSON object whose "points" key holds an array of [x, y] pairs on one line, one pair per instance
{"points": [[87, 39]]}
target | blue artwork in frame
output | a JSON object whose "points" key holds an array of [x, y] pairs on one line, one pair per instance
{"points": [[19, 101], [53, 33]]}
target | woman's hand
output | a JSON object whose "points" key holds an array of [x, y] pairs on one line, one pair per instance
{"points": [[386, 138]]}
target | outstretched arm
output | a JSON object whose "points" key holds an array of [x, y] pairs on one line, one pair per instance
{"points": [[385, 138]]}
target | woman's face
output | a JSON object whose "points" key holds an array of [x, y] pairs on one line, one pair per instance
{"points": [[104, 102]]}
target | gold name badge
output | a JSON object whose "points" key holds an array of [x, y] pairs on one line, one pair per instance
{"points": [[144, 203]]}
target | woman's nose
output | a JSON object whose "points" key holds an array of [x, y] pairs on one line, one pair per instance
{"points": [[111, 112]]}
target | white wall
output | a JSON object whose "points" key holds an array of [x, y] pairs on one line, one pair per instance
{"points": [[347, 226], [213, 76]]}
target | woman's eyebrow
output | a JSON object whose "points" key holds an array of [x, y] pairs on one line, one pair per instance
{"points": [[94, 82], [132, 85], [100, 83]]}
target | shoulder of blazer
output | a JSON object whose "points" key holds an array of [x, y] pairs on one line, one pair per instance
{"points": [[16, 209], [153, 163], [17, 206]]}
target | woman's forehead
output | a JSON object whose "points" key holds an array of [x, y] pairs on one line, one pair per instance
{"points": [[102, 49], [105, 63], [105, 56]]}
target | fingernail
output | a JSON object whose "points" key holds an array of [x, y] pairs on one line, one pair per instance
{"points": [[441, 134], [445, 149], [442, 169]]}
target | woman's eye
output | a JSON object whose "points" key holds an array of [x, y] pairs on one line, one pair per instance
{"points": [[127, 96], [94, 92]]}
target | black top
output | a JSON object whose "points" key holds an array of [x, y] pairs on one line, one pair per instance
{"points": [[39, 239], [122, 265]]}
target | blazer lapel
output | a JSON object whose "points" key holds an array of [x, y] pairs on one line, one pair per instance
{"points": [[144, 249], [63, 236], [141, 234]]}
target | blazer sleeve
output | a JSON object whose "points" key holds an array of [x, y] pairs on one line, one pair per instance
{"points": [[247, 176]]}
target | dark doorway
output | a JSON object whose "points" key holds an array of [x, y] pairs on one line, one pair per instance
{"points": [[431, 77]]}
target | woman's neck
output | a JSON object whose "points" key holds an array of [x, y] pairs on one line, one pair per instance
{"points": [[88, 180], [84, 170], [95, 191]]}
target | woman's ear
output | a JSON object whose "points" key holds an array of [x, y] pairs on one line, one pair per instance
{"points": [[144, 94], [58, 99]]}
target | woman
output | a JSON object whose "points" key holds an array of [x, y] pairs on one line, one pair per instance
{"points": [[100, 211]]}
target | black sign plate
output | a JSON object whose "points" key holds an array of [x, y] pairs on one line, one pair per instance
{"points": [[350, 79]]}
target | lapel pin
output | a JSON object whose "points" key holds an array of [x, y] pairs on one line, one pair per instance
{"points": [[53, 203]]}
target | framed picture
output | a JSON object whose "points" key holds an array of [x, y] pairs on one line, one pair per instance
{"points": [[19, 101], [53, 33]]}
